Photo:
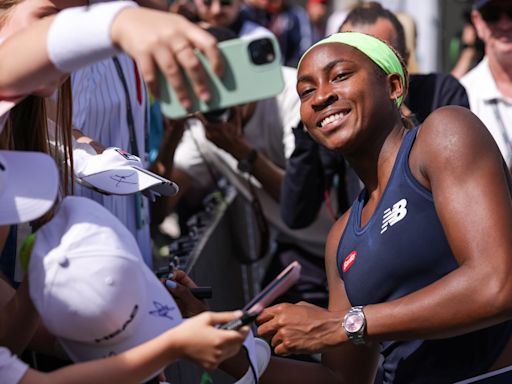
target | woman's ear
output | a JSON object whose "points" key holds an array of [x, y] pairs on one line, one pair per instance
{"points": [[396, 86]]}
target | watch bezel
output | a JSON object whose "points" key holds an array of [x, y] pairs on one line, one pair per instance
{"points": [[356, 336]]}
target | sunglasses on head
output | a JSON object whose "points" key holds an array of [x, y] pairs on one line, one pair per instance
{"points": [[492, 13], [223, 3]]}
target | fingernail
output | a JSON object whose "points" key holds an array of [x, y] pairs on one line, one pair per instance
{"points": [[205, 96], [171, 275], [171, 284]]}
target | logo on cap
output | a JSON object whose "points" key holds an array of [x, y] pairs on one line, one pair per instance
{"points": [[127, 155], [123, 327]]}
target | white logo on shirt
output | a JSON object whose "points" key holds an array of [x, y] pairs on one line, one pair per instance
{"points": [[394, 215]]}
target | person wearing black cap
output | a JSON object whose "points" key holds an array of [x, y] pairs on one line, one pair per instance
{"points": [[489, 84]]}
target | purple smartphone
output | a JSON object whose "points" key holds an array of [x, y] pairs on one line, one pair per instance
{"points": [[284, 281]]}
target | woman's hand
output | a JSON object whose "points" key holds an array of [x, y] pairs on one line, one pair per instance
{"points": [[300, 328], [208, 346], [189, 305], [167, 41]]}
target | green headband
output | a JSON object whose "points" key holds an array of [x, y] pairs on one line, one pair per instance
{"points": [[378, 51]]}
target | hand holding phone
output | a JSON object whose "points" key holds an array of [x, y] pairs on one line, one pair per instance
{"points": [[252, 71], [284, 281]]}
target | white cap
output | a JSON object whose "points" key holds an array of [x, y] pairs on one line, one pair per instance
{"points": [[259, 353], [118, 172], [90, 285], [29, 182]]}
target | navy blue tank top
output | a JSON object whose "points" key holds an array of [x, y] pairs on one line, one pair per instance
{"points": [[400, 250]]}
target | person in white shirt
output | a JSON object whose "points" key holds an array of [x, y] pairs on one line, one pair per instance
{"points": [[489, 84], [256, 145]]}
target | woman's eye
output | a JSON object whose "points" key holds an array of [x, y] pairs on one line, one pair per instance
{"points": [[305, 92], [340, 76]]}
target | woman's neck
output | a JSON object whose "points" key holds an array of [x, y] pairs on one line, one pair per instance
{"points": [[374, 165]]}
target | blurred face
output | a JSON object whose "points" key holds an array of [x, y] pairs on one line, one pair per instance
{"points": [[493, 23], [218, 13], [382, 29], [343, 94], [317, 12]]}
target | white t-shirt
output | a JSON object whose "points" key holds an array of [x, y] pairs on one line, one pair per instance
{"points": [[12, 369], [487, 102], [269, 131], [99, 111]]}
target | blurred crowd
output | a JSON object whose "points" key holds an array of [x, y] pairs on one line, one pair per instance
{"points": [[98, 186]]}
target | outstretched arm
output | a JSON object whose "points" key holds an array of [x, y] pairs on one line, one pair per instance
{"points": [[153, 38], [196, 339], [229, 136], [306, 328]]}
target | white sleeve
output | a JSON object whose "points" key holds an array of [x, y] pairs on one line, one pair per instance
{"points": [[189, 154], [289, 107], [80, 36], [12, 369]]}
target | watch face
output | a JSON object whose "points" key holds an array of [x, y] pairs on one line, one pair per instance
{"points": [[354, 323]]}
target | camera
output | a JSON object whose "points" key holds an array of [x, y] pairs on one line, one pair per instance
{"points": [[262, 51]]}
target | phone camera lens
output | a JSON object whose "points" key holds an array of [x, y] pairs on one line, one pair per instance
{"points": [[262, 51]]}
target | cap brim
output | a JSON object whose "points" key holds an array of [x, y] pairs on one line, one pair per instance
{"points": [[130, 179], [158, 315], [31, 188], [262, 354]]}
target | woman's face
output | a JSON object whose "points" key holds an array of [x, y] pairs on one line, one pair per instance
{"points": [[342, 93]]}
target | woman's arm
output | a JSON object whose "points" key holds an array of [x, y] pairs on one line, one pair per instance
{"points": [[306, 328], [196, 339], [457, 159], [18, 317], [154, 39], [229, 137]]}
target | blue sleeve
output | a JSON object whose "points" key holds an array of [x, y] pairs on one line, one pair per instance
{"points": [[303, 185], [452, 92]]}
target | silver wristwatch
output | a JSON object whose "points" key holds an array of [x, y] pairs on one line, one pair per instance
{"points": [[354, 324]]}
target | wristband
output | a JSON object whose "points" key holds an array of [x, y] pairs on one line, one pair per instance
{"points": [[80, 36]]}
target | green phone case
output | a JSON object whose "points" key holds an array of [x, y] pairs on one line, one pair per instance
{"points": [[243, 81]]}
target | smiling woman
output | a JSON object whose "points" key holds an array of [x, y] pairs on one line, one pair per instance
{"points": [[340, 71], [404, 264]]}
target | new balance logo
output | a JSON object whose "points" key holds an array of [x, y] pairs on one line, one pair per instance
{"points": [[394, 215]]}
